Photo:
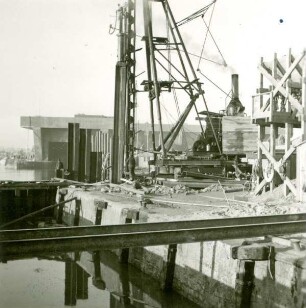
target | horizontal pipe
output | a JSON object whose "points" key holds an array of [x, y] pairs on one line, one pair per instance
{"points": [[148, 238]]}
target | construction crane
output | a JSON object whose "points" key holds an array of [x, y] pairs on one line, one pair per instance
{"points": [[182, 77], [125, 92]]}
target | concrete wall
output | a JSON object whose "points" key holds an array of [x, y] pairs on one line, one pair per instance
{"points": [[38, 149], [55, 129], [93, 122], [205, 272], [116, 212], [52, 135], [280, 284]]}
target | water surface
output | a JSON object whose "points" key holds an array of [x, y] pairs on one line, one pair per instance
{"points": [[10, 174], [87, 279]]}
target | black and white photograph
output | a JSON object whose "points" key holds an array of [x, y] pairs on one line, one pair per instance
{"points": [[152, 154]]}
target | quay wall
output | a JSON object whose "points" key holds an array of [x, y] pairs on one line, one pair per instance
{"points": [[204, 272]]}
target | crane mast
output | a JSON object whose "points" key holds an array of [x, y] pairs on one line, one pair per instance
{"points": [[125, 92], [181, 77]]}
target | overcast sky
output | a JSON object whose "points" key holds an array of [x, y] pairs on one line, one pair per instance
{"points": [[57, 57]]}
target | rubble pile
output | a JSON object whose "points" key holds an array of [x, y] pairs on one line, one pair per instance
{"points": [[213, 187]]}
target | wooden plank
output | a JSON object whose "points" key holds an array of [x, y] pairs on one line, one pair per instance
{"points": [[304, 103], [288, 129], [281, 89], [298, 67], [294, 84], [261, 83], [238, 135], [276, 166], [288, 153], [266, 152], [290, 186], [253, 251], [280, 67], [282, 117], [273, 127]]}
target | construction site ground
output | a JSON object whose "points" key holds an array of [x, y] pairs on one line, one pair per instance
{"points": [[162, 203]]}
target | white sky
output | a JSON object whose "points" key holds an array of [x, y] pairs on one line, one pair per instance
{"points": [[57, 58]]}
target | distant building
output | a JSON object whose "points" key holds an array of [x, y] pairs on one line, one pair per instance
{"points": [[51, 134]]}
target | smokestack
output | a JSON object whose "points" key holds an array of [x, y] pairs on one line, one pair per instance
{"points": [[235, 86], [235, 107]]}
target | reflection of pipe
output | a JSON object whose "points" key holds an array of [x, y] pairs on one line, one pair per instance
{"points": [[97, 280]]}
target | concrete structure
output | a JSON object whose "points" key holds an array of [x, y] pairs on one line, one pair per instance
{"points": [[205, 272], [51, 134]]}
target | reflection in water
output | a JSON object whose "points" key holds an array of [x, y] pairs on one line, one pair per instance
{"points": [[70, 283], [97, 280], [57, 281], [76, 283], [65, 281]]}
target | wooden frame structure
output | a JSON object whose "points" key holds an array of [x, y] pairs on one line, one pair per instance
{"points": [[281, 105]]}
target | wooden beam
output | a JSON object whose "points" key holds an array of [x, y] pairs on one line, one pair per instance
{"points": [[273, 127], [288, 153], [261, 135], [271, 158], [276, 166], [298, 67], [273, 134], [304, 103], [260, 187], [294, 84], [288, 73], [281, 89], [267, 153], [278, 84], [280, 67], [261, 83], [290, 186], [288, 131]]}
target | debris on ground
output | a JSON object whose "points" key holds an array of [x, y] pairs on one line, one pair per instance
{"points": [[273, 197], [215, 200]]}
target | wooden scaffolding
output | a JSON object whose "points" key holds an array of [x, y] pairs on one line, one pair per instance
{"points": [[278, 109]]}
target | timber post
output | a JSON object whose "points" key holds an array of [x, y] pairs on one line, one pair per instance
{"points": [[131, 215], [70, 283], [60, 209], [281, 108], [247, 254], [244, 284], [82, 283], [78, 205], [100, 205], [168, 268]]}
